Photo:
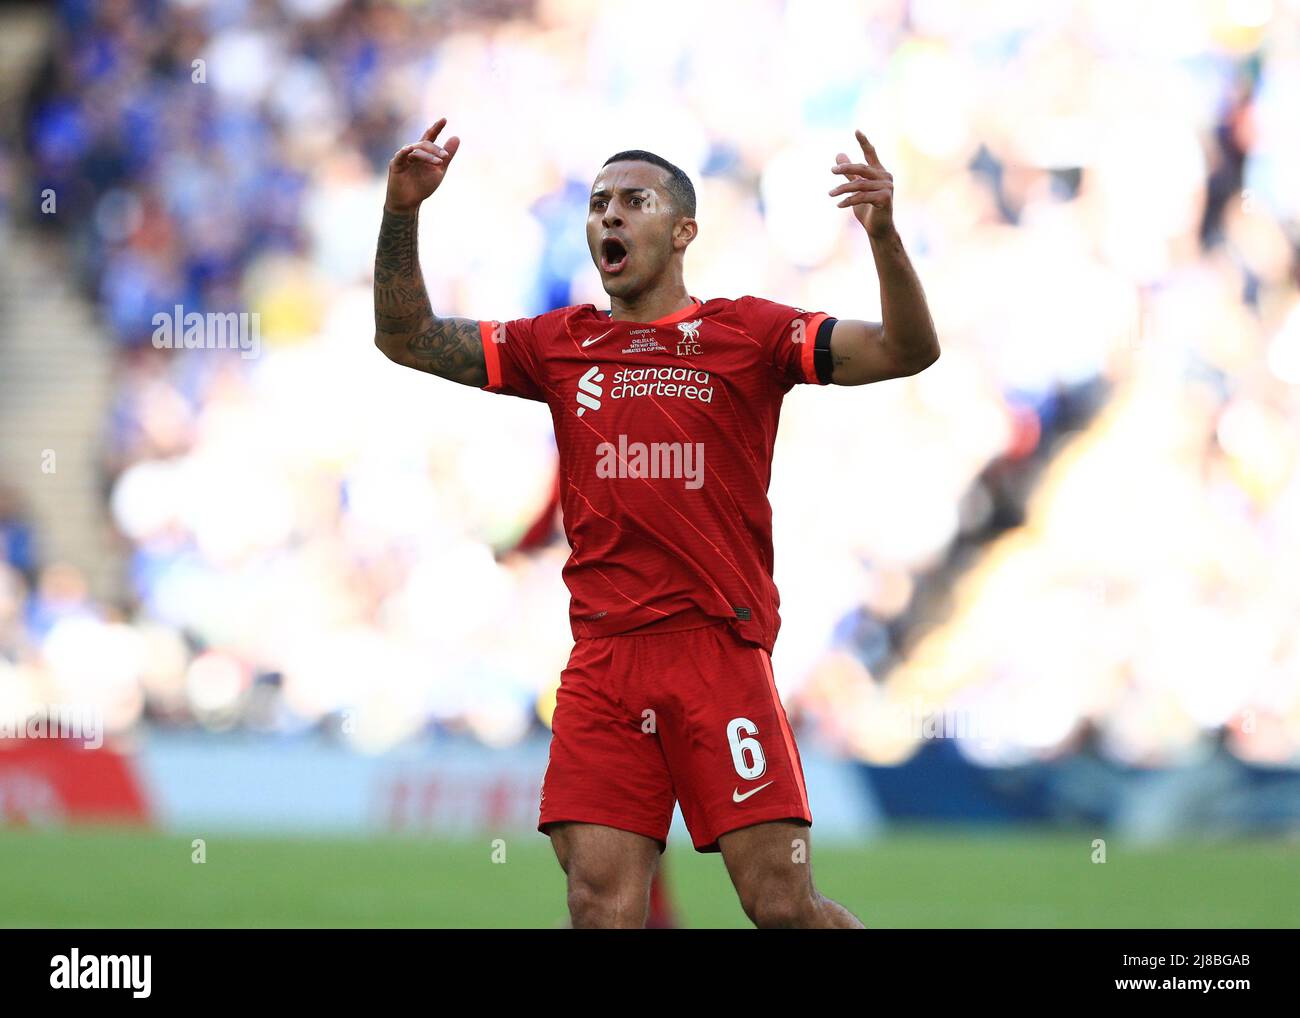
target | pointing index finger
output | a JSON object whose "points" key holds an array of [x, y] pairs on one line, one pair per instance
{"points": [[868, 150]]}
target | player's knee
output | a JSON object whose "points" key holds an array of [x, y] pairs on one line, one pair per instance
{"points": [[789, 910], [597, 900], [776, 902]]}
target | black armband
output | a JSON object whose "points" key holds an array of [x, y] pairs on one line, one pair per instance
{"points": [[822, 363]]}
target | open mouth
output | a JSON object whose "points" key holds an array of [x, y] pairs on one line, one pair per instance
{"points": [[613, 255]]}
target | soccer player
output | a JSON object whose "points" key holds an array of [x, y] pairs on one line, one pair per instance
{"points": [[665, 410]]}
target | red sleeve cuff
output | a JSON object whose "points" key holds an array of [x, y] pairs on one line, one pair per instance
{"points": [[806, 364], [487, 332]]}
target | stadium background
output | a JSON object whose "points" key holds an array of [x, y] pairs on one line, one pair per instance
{"points": [[290, 581]]}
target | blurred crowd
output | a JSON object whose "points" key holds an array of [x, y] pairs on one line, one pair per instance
{"points": [[1082, 522]]}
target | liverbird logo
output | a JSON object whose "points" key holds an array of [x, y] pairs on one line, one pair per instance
{"points": [[690, 341]]}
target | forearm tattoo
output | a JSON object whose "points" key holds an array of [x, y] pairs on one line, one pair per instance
{"points": [[405, 326]]}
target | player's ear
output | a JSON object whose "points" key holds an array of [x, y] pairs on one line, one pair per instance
{"points": [[684, 231]]}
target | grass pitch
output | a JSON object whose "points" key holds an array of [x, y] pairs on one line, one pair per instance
{"points": [[913, 878]]}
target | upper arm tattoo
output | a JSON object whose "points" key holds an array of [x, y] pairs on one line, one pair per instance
{"points": [[406, 328], [450, 347]]}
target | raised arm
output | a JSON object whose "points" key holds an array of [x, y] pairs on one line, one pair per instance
{"points": [[406, 329], [905, 342]]}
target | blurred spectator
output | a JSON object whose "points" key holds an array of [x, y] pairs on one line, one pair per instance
{"points": [[17, 539]]}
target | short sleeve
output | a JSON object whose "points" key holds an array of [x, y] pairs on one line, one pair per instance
{"points": [[510, 353], [790, 338]]}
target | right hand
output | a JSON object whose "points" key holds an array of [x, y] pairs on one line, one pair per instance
{"points": [[416, 170]]}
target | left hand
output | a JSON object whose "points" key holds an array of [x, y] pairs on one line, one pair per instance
{"points": [[868, 188]]}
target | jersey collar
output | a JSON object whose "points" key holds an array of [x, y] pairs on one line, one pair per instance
{"points": [[676, 316]]}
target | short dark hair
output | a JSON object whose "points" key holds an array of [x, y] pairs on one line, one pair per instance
{"points": [[679, 184]]}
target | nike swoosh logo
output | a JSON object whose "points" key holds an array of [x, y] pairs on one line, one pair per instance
{"points": [[588, 342], [737, 797]]}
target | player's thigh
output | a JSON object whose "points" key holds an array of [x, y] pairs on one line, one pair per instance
{"points": [[769, 859], [604, 857]]}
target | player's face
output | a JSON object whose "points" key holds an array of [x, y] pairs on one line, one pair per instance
{"points": [[630, 220]]}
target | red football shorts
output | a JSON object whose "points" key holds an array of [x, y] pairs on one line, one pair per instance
{"points": [[645, 720]]}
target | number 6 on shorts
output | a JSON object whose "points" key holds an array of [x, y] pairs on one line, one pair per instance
{"points": [[740, 732]]}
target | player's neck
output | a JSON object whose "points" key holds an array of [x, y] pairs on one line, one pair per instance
{"points": [[650, 306]]}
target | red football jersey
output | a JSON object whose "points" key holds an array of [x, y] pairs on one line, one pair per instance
{"points": [[665, 432]]}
